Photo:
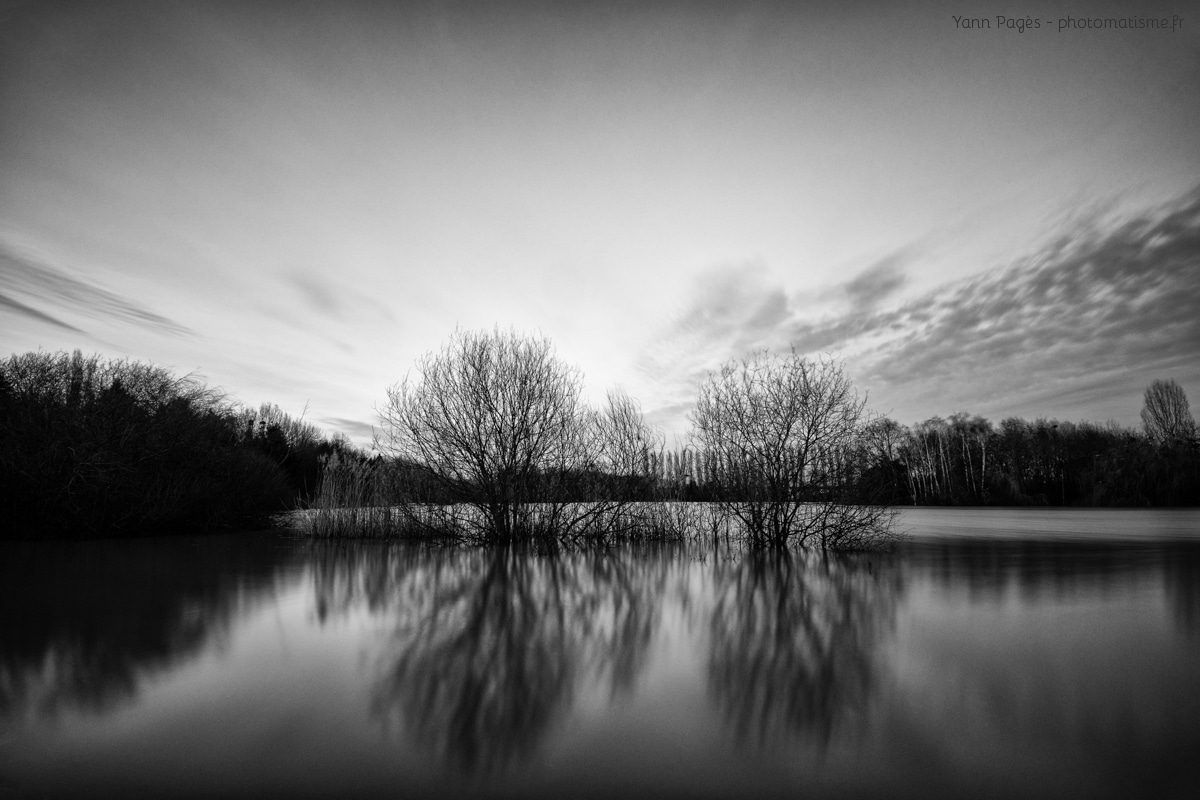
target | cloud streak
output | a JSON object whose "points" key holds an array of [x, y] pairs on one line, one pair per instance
{"points": [[43, 285], [32, 313], [333, 300], [364, 432]]}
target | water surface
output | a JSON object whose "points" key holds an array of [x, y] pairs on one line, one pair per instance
{"points": [[996, 653]]}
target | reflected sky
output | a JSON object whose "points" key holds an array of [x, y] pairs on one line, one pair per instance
{"points": [[985, 666]]}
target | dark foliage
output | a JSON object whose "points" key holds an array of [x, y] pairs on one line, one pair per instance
{"points": [[966, 460], [92, 447]]}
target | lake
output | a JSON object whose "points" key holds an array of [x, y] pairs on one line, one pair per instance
{"points": [[994, 653]]}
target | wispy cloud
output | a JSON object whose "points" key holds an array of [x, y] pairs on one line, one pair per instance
{"points": [[318, 295], [356, 429], [32, 313], [732, 309], [40, 284], [331, 299], [1105, 304]]}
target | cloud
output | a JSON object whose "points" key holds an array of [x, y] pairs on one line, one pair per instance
{"points": [[42, 284], [319, 295], [1110, 303], [730, 310], [354, 428], [1100, 303], [879, 281], [331, 299], [33, 313]]}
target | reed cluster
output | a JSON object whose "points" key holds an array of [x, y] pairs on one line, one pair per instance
{"points": [[353, 499]]}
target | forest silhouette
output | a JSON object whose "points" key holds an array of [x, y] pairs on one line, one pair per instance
{"points": [[97, 447]]}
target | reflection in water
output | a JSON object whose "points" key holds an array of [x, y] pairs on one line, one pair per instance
{"points": [[83, 623], [1181, 574], [490, 646], [1060, 663], [793, 639], [951, 667], [1050, 571]]}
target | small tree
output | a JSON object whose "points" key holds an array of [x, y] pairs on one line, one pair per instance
{"points": [[1166, 416], [498, 423], [785, 433]]}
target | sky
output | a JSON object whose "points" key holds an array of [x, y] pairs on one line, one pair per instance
{"points": [[297, 201]]}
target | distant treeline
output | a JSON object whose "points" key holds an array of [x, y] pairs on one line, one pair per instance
{"points": [[966, 460], [961, 461], [91, 446]]}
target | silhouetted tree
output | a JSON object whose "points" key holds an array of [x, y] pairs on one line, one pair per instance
{"points": [[1166, 417], [91, 446], [785, 433], [498, 421]]}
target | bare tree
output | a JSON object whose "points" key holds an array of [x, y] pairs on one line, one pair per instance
{"points": [[784, 432], [627, 443], [499, 424], [1166, 416]]}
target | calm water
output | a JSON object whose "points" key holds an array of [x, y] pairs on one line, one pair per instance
{"points": [[997, 653]]}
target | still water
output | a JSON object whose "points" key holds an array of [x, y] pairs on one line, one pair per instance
{"points": [[997, 653]]}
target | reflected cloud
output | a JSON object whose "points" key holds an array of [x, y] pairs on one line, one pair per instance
{"points": [[793, 641]]}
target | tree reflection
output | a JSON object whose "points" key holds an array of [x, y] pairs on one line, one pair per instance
{"points": [[491, 646], [793, 635], [1181, 577], [83, 623], [990, 569]]}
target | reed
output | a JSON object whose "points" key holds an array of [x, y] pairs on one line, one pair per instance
{"points": [[360, 498], [352, 500]]}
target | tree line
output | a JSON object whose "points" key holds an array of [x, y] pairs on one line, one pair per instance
{"points": [[490, 438], [967, 460], [92, 446]]}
